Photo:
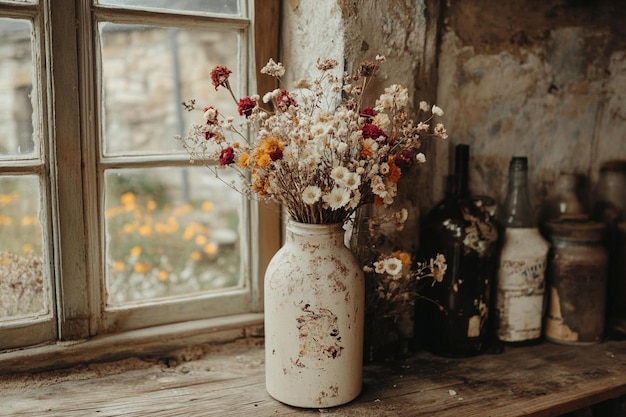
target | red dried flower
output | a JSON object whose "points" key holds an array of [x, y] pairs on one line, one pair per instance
{"points": [[245, 106], [368, 113], [277, 154], [405, 160], [219, 76], [284, 100], [227, 156], [371, 131]]}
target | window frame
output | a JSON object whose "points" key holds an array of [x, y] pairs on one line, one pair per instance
{"points": [[75, 247], [150, 313], [45, 327]]}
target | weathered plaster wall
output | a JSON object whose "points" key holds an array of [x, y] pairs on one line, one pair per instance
{"points": [[310, 30], [546, 79]]}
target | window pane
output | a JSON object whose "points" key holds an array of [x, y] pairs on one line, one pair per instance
{"points": [[16, 86], [24, 289], [147, 73], [208, 6], [170, 232]]}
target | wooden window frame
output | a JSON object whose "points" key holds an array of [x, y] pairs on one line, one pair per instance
{"points": [[83, 332]]}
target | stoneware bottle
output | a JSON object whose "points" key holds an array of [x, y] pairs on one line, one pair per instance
{"points": [[521, 272]]}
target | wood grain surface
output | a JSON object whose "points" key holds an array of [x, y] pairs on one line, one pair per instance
{"points": [[228, 380]]}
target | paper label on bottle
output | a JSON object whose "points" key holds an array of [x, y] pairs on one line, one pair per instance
{"points": [[521, 287], [473, 327]]}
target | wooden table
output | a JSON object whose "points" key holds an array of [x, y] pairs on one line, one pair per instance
{"points": [[228, 380]]}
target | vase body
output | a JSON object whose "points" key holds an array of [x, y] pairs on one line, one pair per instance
{"points": [[314, 310], [522, 266], [452, 316]]}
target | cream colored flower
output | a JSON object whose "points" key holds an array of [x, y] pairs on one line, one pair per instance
{"points": [[383, 121], [393, 266], [352, 181], [275, 69], [337, 198], [339, 174], [438, 267], [437, 110], [311, 194], [211, 114], [440, 131]]}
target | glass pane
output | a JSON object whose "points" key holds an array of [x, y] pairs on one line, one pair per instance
{"points": [[19, 1], [24, 289], [209, 6], [17, 114], [170, 232], [147, 73]]}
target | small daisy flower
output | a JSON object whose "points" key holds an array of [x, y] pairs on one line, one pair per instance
{"points": [[311, 194]]}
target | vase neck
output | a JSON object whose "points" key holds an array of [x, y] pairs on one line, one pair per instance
{"points": [[304, 231]]}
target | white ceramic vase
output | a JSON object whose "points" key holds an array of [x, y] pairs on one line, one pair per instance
{"points": [[314, 310]]}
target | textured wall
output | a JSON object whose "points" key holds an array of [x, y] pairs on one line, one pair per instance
{"points": [[545, 79]]}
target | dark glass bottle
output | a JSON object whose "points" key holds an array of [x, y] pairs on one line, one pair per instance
{"points": [[452, 317], [521, 271], [609, 207]]}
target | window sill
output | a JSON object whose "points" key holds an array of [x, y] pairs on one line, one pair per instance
{"points": [[144, 342], [228, 379]]}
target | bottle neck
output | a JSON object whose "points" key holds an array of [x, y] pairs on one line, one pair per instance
{"points": [[461, 171], [517, 210]]}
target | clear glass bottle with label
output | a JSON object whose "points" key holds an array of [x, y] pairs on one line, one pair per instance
{"points": [[521, 271]]}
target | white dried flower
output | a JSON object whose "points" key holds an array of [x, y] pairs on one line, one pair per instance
{"points": [[311, 194], [352, 181], [393, 266], [437, 111], [211, 114], [337, 198], [440, 131], [273, 68]]}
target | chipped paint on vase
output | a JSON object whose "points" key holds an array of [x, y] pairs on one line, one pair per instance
{"points": [[314, 310]]}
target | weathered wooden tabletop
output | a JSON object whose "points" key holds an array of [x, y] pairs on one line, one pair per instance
{"points": [[228, 380]]}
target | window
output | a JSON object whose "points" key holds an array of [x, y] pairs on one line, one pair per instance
{"points": [[106, 226]]}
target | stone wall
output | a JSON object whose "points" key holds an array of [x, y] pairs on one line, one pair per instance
{"points": [[545, 79]]}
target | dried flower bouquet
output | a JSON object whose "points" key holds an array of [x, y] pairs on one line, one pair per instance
{"points": [[320, 152]]}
